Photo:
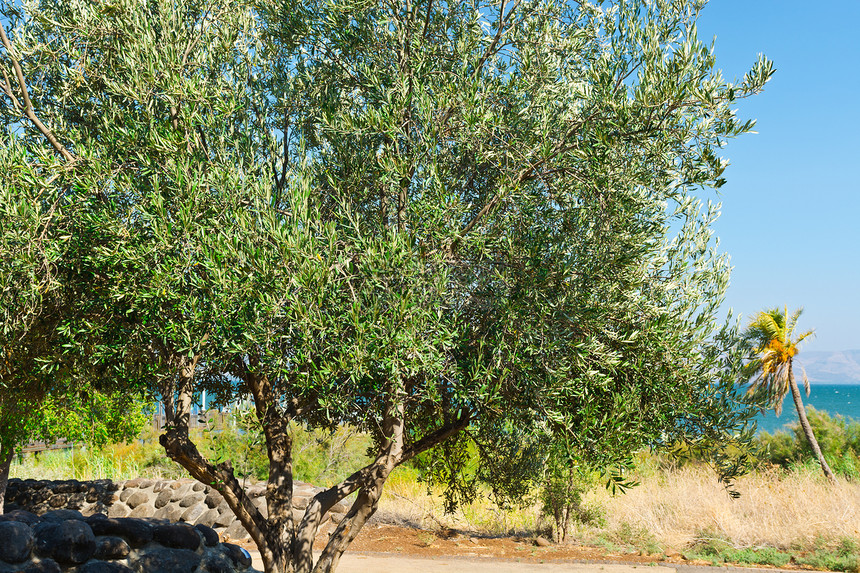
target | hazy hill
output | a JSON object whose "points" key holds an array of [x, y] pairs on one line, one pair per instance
{"points": [[831, 367]]}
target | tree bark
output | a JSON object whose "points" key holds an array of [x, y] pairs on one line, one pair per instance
{"points": [[317, 508], [280, 528], [182, 450], [804, 423], [285, 547], [364, 507], [372, 479], [5, 465]]}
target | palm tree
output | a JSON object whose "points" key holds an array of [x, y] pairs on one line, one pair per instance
{"points": [[770, 373]]}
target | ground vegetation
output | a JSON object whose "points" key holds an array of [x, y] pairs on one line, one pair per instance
{"points": [[679, 513]]}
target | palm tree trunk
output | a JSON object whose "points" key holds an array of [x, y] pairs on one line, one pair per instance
{"points": [[804, 423]]}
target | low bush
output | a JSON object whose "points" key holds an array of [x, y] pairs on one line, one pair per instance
{"points": [[838, 437]]}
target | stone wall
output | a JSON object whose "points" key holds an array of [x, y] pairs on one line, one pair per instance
{"points": [[65, 541], [182, 501]]}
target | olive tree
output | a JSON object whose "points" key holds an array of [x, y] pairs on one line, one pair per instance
{"points": [[44, 286], [464, 228]]}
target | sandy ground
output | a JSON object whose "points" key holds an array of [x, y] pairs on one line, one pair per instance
{"points": [[393, 549], [363, 563], [384, 563]]}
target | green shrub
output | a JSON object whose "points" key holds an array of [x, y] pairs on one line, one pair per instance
{"points": [[779, 448], [757, 556], [713, 547], [327, 457], [838, 438]]}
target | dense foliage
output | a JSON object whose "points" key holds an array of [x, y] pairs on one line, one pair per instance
{"points": [[463, 228], [838, 437], [44, 393]]}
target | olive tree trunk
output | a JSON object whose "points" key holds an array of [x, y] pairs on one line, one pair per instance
{"points": [[804, 423], [284, 545]]}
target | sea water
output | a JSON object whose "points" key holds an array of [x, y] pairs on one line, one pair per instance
{"points": [[835, 399]]}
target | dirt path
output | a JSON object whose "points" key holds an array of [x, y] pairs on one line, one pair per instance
{"points": [[392, 549], [363, 563], [386, 563]]}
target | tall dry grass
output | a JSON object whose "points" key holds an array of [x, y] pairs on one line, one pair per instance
{"points": [[784, 510], [672, 508]]}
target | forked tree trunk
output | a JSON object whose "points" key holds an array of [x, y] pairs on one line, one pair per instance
{"points": [[285, 547], [807, 429], [272, 541], [362, 509], [5, 465]]}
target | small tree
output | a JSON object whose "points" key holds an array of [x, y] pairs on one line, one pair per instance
{"points": [[771, 372], [84, 415], [447, 225], [565, 482]]}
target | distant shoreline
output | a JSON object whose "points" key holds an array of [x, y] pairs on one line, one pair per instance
{"points": [[829, 367]]}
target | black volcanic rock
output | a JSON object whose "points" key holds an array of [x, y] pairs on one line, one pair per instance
{"points": [[16, 541], [69, 541]]}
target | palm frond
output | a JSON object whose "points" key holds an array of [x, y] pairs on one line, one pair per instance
{"points": [[791, 320], [803, 336], [805, 379], [773, 345]]}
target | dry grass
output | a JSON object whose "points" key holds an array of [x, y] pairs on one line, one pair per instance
{"points": [[672, 509], [775, 509]]}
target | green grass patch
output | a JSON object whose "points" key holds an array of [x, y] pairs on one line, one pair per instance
{"points": [[711, 547], [844, 556]]}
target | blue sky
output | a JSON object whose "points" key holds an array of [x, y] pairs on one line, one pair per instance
{"points": [[791, 207]]}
